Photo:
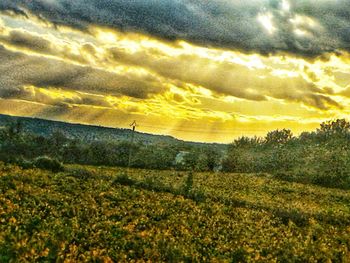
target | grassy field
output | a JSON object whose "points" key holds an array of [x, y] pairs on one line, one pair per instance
{"points": [[97, 215]]}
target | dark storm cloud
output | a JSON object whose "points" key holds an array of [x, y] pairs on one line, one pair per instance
{"points": [[11, 6], [26, 40], [20, 39], [223, 23], [18, 70]]}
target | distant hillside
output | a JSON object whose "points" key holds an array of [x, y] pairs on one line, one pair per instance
{"points": [[86, 133]]}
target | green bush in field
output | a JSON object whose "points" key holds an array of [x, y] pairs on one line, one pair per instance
{"points": [[25, 164], [124, 179], [188, 184], [47, 163], [80, 173]]}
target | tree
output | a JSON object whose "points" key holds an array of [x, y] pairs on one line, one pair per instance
{"points": [[14, 128], [210, 159], [338, 127], [246, 142], [279, 136]]}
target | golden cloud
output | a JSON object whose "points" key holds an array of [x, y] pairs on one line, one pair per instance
{"points": [[115, 76]]}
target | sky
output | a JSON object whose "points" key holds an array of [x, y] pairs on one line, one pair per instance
{"points": [[199, 70]]}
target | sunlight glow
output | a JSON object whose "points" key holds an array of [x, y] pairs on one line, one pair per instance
{"points": [[302, 33], [285, 5], [266, 21], [299, 21], [189, 82]]}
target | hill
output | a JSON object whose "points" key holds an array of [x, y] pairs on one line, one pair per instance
{"points": [[87, 133]]}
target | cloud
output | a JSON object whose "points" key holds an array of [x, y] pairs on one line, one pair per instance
{"points": [[25, 40], [97, 70], [150, 66], [306, 28], [55, 97], [227, 78], [19, 70]]}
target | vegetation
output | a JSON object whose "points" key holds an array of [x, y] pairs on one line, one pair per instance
{"points": [[83, 133], [321, 157], [19, 146], [47, 163], [268, 204], [108, 214]]}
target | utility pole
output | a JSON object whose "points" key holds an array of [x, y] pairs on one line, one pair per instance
{"points": [[133, 125]]}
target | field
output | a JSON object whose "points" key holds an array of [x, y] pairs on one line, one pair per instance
{"points": [[100, 214]]}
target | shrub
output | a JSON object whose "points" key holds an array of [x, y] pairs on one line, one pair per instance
{"points": [[300, 175], [293, 215], [26, 164], [188, 191], [156, 185], [332, 168], [196, 195], [124, 179], [239, 255], [80, 173], [47, 163], [188, 185]]}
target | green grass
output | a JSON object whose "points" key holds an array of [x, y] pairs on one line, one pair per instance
{"points": [[106, 214]]}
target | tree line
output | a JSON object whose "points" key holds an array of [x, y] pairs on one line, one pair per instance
{"points": [[20, 146], [319, 157]]}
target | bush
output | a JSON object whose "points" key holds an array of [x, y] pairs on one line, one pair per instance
{"points": [[156, 185], [188, 184], [332, 167], [26, 164], [293, 215], [188, 191], [81, 173], [196, 195], [124, 179], [47, 163]]}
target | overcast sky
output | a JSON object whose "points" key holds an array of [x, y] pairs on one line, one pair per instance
{"points": [[199, 70]]}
